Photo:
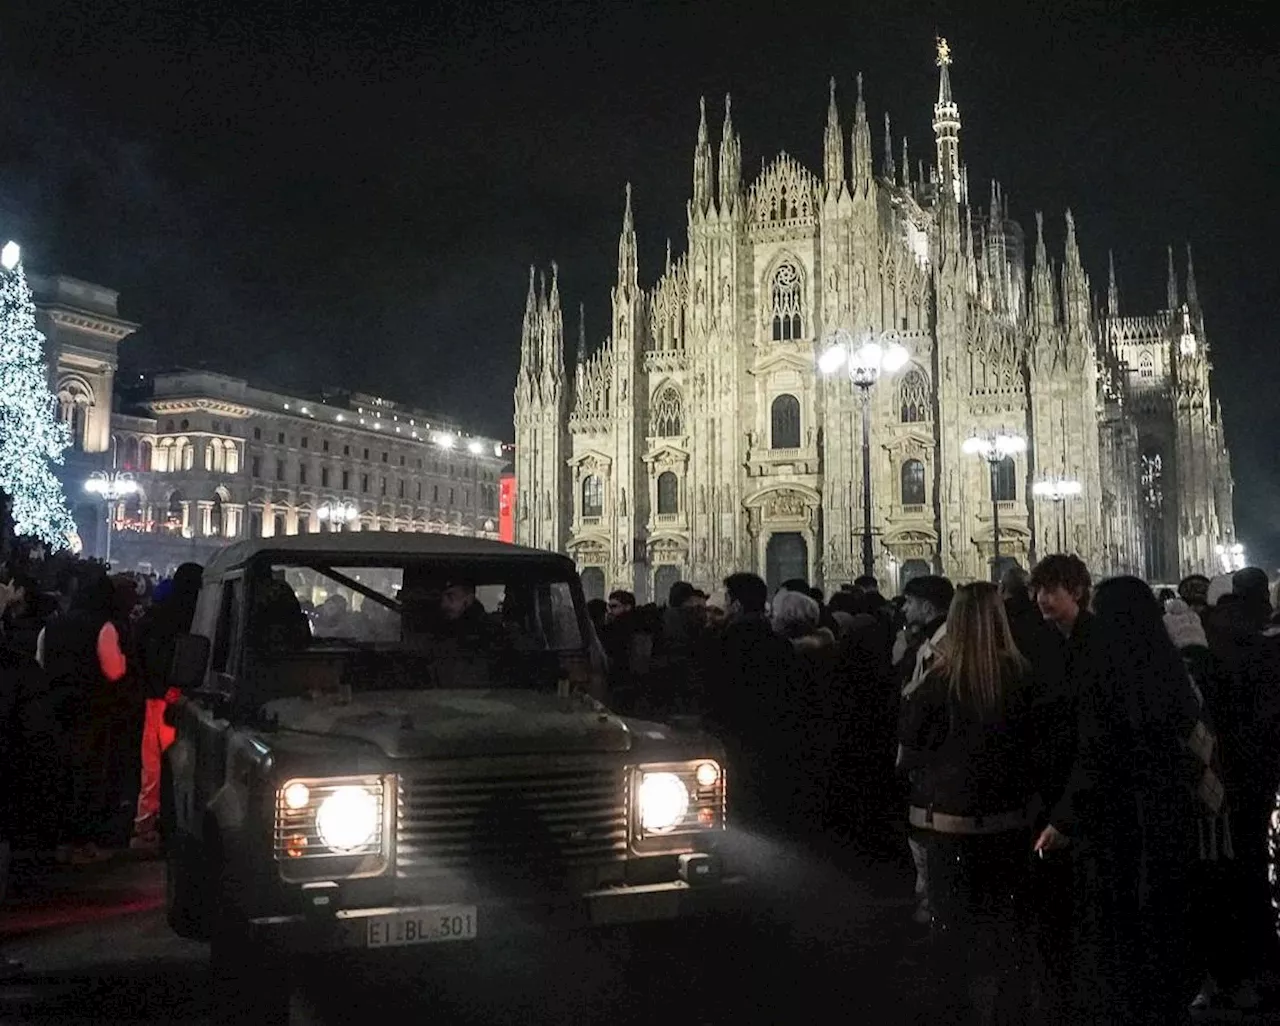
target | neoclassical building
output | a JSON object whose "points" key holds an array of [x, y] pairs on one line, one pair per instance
{"points": [[700, 438], [218, 458]]}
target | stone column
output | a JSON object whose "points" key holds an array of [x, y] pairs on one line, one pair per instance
{"points": [[186, 518], [232, 519], [206, 517]]}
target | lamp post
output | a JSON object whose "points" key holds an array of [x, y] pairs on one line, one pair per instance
{"points": [[111, 487], [338, 513], [995, 448], [1057, 490], [1231, 557], [864, 364]]}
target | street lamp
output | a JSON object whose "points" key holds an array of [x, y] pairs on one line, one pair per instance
{"points": [[1057, 490], [338, 513], [995, 449], [1231, 557], [111, 487], [864, 365]]}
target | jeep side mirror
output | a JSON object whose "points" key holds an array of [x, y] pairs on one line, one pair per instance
{"points": [[190, 658]]}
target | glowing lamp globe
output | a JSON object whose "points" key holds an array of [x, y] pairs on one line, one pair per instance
{"points": [[895, 358], [832, 359], [10, 255], [870, 356]]}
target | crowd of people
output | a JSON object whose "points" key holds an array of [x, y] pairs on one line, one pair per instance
{"points": [[84, 656], [1084, 777]]}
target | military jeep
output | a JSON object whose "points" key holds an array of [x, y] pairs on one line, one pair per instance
{"points": [[398, 740]]}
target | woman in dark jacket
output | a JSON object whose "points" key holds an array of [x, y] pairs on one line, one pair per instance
{"points": [[1130, 812], [81, 654], [968, 746]]}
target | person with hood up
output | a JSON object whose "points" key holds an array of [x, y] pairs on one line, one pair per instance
{"points": [[81, 654], [169, 617], [797, 617]]}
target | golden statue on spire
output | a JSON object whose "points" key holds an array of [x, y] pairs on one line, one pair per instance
{"points": [[944, 52]]}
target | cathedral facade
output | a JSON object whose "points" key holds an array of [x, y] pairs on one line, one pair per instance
{"points": [[701, 438]]}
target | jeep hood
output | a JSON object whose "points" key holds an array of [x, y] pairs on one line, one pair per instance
{"points": [[455, 724]]}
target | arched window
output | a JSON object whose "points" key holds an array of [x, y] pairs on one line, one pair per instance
{"points": [[144, 456], [188, 454], [913, 483], [913, 397], [1005, 480], [211, 453], [592, 496], [131, 454], [668, 413], [231, 458], [784, 417], [787, 322], [668, 494], [1146, 366]]}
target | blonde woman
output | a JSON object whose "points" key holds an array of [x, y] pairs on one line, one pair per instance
{"points": [[968, 746]]}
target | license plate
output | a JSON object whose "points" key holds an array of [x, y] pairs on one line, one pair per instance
{"points": [[434, 925]]}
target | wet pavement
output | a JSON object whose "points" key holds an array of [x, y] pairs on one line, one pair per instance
{"points": [[814, 928]]}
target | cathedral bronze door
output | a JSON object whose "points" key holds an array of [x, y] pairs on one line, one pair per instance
{"points": [[786, 557]]}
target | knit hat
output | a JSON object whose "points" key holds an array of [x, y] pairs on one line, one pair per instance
{"points": [[1219, 586], [1184, 625]]}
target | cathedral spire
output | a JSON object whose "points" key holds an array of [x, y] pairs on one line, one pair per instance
{"points": [[889, 171], [702, 164], [1193, 293], [1113, 291], [627, 269], [730, 161], [532, 327], [1171, 285], [833, 148], [668, 266], [861, 140], [906, 165], [946, 128], [582, 334], [553, 331], [1075, 286], [1044, 307]]}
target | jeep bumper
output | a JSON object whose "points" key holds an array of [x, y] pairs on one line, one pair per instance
{"points": [[400, 926]]}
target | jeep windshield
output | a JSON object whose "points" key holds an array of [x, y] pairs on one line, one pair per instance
{"points": [[327, 624]]}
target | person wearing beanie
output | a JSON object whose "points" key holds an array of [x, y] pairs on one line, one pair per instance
{"points": [[1218, 587]]}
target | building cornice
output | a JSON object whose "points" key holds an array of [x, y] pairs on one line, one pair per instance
{"points": [[71, 318]]}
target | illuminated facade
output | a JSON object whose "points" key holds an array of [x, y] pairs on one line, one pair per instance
{"points": [[219, 459], [699, 439]]}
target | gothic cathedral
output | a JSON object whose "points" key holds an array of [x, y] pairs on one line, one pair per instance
{"points": [[701, 439]]}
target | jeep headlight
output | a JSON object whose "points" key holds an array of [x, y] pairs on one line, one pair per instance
{"points": [[663, 802], [333, 827], [673, 802], [348, 819]]}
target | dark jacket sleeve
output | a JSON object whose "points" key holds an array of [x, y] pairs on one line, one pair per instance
{"points": [[922, 724], [1095, 723]]}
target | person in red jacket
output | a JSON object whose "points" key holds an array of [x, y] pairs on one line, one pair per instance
{"points": [[158, 633]]}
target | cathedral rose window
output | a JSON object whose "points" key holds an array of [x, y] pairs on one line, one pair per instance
{"points": [[913, 397], [787, 322], [668, 414]]}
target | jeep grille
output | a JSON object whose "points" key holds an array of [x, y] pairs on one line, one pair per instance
{"points": [[510, 819]]}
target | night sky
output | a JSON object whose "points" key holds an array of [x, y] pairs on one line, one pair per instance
{"points": [[351, 193]]}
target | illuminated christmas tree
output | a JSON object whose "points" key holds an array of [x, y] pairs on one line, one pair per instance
{"points": [[32, 440]]}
